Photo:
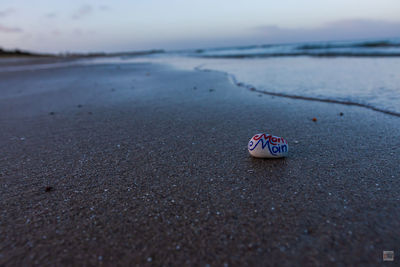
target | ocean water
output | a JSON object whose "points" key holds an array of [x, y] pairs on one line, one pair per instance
{"points": [[358, 73], [370, 48], [364, 73]]}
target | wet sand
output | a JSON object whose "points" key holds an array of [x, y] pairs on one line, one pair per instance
{"points": [[141, 164]]}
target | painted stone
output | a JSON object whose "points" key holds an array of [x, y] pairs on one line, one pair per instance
{"points": [[264, 145]]}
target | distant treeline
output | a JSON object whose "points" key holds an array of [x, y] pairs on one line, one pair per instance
{"points": [[17, 52]]}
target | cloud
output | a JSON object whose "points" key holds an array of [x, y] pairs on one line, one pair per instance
{"points": [[338, 30], [273, 34], [56, 32], [83, 11], [5, 29], [50, 15], [82, 32], [104, 8], [6, 12]]}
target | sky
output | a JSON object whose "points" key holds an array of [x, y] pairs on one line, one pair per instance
{"points": [[122, 25]]}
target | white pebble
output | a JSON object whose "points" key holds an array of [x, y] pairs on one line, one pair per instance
{"points": [[264, 145]]}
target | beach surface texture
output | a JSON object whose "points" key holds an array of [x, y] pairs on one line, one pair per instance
{"points": [[143, 164]]}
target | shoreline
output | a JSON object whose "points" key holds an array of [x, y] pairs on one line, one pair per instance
{"points": [[250, 87], [149, 165]]}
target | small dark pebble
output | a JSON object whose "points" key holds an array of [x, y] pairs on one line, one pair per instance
{"points": [[260, 95], [211, 90], [79, 106], [48, 188], [252, 89], [308, 231], [194, 88], [341, 114], [90, 113], [239, 84], [113, 89], [51, 113]]}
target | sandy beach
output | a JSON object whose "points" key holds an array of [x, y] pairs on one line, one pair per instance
{"points": [[143, 164]]}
